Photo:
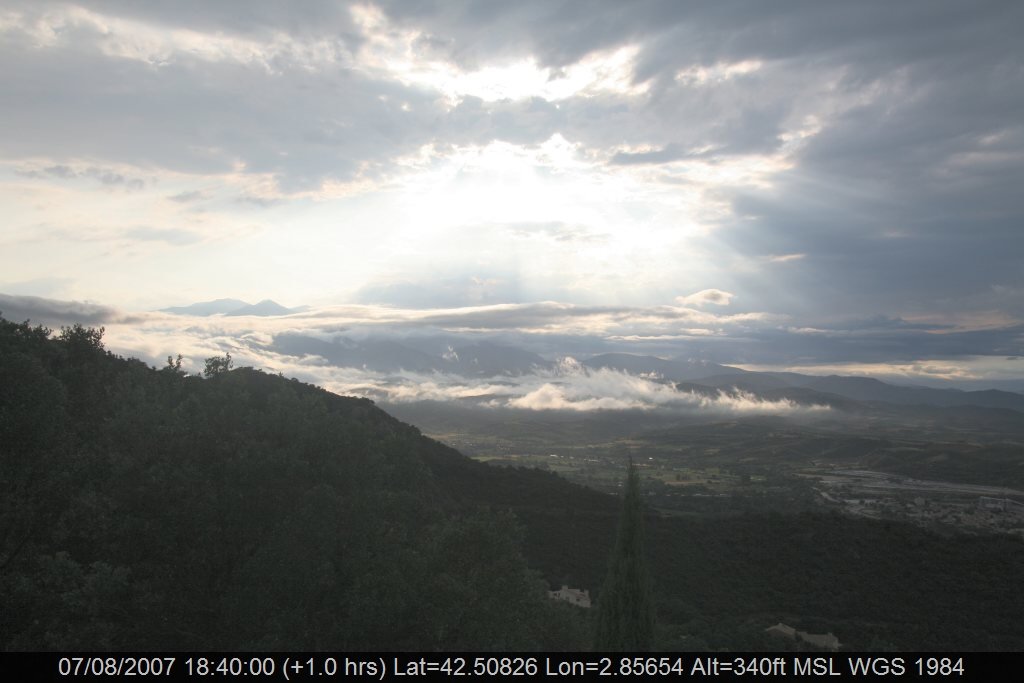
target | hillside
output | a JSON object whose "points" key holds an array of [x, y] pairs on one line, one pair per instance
{"points": [[145, 509]]}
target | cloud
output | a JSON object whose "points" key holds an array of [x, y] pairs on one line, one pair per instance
{"points": [[105, 176], [785, 258], [618, 76], [174, 236], [941, 354], [213, 93], [666, 154], [568, 387], [189, 196], [124, 235], [820, 163], [53, 312], [706, 296], [558, 329], [262, 202], [48, 287], [444, 292], [555, 230], [583, 390]]}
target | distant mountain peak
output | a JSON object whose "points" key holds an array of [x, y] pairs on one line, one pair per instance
{"points": [[266, 307], [204, 308]]}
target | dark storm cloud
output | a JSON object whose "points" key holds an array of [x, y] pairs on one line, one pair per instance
{"points": [[902, 231], [240, 17], [300, 118], [802, 44], [964, 55], [658, 156], [782, 346], [52, 312], [560, 33], [333, 121], [907, 198], [202, 117], [281, 114]]}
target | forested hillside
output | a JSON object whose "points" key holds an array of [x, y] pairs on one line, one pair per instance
{"points": [[144, 509]]}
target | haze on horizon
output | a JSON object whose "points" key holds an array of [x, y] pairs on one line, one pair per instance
{"points": [[821, 187]]}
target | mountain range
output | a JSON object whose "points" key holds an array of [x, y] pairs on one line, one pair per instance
{"points": [[232, 307], [486, 359]]}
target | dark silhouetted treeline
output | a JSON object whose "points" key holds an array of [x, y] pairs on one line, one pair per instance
{"points": [[145, 509]]}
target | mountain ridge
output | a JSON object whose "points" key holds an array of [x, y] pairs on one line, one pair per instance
{"points": [[232, 307], [487, 359]]}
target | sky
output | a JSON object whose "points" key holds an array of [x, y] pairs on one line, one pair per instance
{"points": [[827, 187]]}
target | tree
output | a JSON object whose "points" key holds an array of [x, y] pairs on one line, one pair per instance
{"points": [[216, 365], [173, 366], [625, 610], [80, 338]]}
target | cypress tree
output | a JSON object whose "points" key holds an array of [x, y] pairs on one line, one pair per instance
{"points": [[625, 610]]}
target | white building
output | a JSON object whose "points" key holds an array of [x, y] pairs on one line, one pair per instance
{"points": [[577, 596]]}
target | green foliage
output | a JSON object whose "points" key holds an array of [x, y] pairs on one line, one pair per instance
{"points": [[33, 451], [173, 366], [625, 616], [215, 365], [145, 509], [81, 339]]}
